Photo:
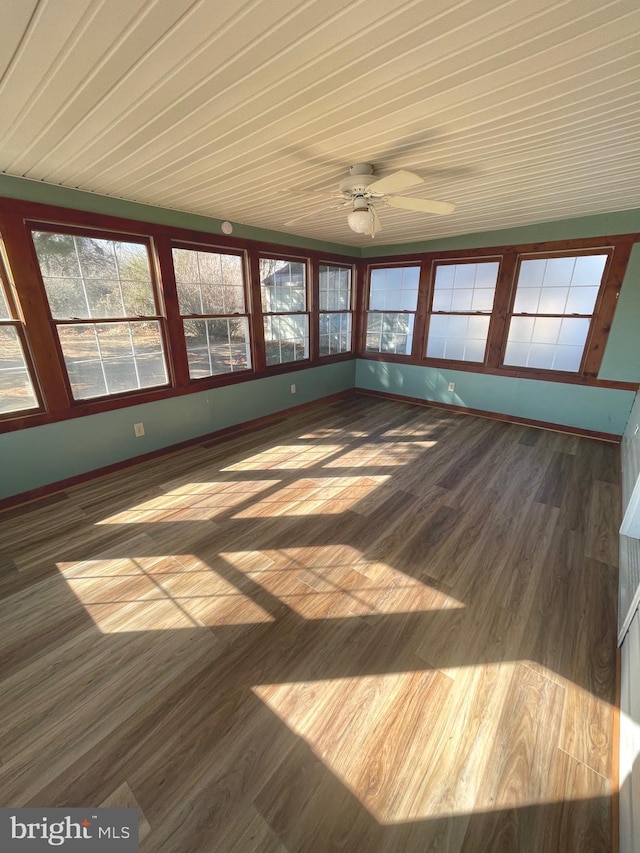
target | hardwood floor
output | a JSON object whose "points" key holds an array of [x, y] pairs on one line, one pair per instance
{"points": [[365, 627]]}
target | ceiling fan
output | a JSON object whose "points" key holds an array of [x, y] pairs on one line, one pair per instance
{"points": [[363, 192]]}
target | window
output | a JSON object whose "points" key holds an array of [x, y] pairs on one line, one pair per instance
{"points": [[463, 296], [17, 390], [335, 310], [393, 299], [283, 290], [213, 305], [99, 313], [554, 303], [525, 310], [103, 303]]}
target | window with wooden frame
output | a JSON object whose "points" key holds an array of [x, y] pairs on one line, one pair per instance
{"points": [[392, 304], [105, 309], [283, 293], [462, 300], [540, 311], [335, 309], [212, 298], [17, 385], [554, 302]]}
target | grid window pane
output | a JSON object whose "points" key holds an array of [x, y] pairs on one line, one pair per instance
{"points": [[464, 275], [394, 288], [91, 277], [482, 299], [286, 338], [335, 333], [531, 273], [282, 286], [588, 270], [521, 329], [573, 331], [458, 337], [582, 300], [110, 358], [217, 346], [442, 299], [335, 288], [16, 389], [4, 307], [558, 272], [445, 276], [567, 358], [474, 350], [550, 343], [209, 282], [392, 333], [563, 286], [463, 287], [541, 356], [567, 274], [461, 300], [527, 300], [546, 330], [553, 300]]}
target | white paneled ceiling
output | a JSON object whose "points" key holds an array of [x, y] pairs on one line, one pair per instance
{"points": [[518, 112]]}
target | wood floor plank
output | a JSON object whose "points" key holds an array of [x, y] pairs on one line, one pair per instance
{"points": [[526, 739], [123, 798], [249, 834], [554, 485], [52, 749], [603, 523], [370, 626]]}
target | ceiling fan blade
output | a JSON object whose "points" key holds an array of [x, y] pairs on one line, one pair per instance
{"points": [[377, 225], [422, 205], [401, 180]]}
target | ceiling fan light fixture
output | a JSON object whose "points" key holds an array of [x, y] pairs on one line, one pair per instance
{"points": [[361, 220]]}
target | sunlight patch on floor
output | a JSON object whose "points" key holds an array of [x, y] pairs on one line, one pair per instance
{"points": [[287, 456], [158, 593], [318, 496], [417, 745], [193, 502], [334, 581], [370, 455]]}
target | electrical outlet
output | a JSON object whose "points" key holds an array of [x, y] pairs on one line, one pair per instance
{"points": [[139, 430], [293, 389], [452, 386]]}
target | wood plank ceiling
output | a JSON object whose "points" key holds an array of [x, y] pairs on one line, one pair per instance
{"points": [[516, 112]]}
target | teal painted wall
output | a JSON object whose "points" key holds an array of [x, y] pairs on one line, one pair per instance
{"points": [[600, 409], [46, 454]]}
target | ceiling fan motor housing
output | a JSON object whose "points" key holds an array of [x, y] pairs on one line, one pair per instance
{"points": [[360, 178]]}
